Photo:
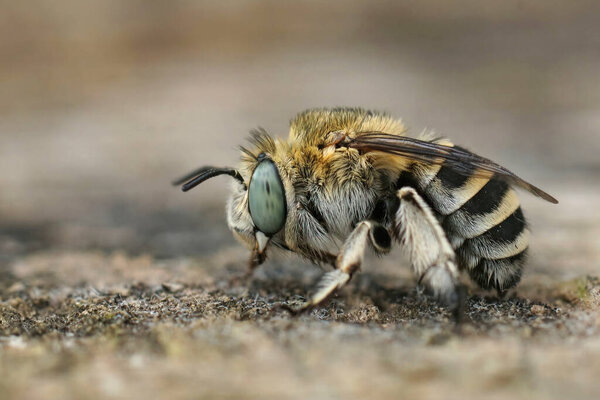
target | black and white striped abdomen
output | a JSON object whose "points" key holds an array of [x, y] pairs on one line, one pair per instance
{"points": [[481, 218]]}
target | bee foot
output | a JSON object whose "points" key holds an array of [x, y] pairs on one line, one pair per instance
{"points": [[439, 283]]}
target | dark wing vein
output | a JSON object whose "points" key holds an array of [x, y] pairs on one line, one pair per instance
{"points": [[426, 152]]}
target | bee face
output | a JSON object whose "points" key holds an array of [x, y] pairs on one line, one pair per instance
{"points": [[257, 213]]}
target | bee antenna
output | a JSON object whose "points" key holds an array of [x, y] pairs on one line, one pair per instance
{"points": [[200, 175]]}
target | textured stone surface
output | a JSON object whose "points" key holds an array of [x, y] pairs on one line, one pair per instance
{"points": [[115, 285]]}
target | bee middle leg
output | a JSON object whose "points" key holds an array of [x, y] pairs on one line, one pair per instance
{"points": [[349, 260], [431, 255]]}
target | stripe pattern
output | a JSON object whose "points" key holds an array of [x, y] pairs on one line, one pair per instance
{"points": [[482, 219]]}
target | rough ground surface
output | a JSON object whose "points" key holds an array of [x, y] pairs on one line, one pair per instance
{"points": [[97, 324], [115, 285]]}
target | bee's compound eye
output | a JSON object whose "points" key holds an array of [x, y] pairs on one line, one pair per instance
{"points": [[266, 198]]}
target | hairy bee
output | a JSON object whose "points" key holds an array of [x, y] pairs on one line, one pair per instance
{"points": [[348, 179]]}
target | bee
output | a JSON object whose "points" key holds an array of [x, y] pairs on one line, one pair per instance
{"points": [[350, 179]]}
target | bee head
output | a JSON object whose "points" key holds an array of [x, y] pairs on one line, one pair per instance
{"points": [[255, 212]]}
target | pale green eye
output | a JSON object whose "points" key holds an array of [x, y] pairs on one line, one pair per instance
{"points": [[266, 198]]}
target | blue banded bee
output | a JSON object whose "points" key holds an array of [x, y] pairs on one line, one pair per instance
{"points": [[349, 179]]}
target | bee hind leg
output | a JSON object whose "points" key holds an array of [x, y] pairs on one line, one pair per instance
{"points": [[431, 255], [349, 260]]}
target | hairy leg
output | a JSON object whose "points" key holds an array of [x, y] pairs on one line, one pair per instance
{"points": [[349, 260], [431, 256]]}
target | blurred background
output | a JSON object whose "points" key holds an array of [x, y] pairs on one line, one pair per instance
{"points": [[103, 103], [114, 283]]}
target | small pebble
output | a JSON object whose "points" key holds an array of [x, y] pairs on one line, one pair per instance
{"points": [[16, 287], [172, 287], [537, 309]]}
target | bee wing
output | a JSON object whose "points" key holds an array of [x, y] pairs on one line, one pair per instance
{"points": [[460, 160]]}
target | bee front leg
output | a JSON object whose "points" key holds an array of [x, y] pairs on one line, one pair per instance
{"points": [[349, 260], [431, 255], [257, 257]]}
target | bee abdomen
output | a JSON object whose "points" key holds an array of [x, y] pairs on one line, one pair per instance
{"points": [[500, 274], [490, 236], [495, 258], [482, 220]]}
